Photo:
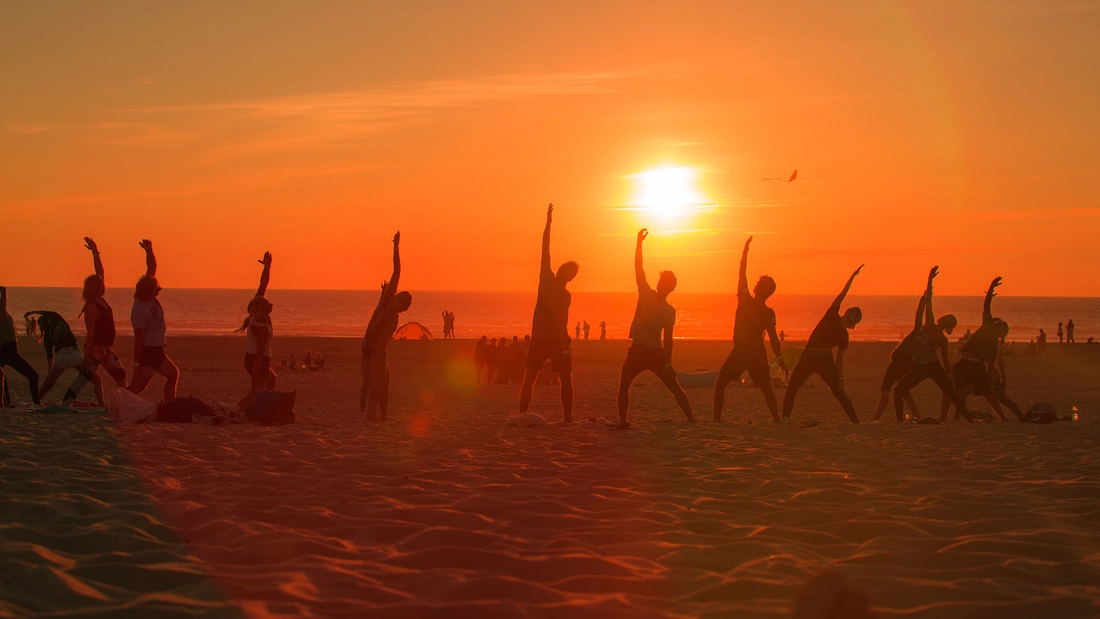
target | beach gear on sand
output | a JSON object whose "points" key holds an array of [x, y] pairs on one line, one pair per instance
{"points": [[527, 420], [182, 410], [412, 331], [594, 423], [272, 408], [129, 407], [1041, 412]]}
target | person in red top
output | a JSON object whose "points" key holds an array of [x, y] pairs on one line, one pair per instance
{"points": [[831, 332], [752, 319], [549, 327]]}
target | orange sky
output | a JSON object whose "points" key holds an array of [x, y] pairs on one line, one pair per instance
{"points": [[963, 134]]}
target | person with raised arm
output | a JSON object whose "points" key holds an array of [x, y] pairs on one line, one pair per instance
{"points": [[549, 327], [653, 316], [752, 319], [147, 319], [99, 323], [933, 337], [831, 332], [370, 339], [901, 361], [259, 331], [976, 371], [9, 352], [380, 330]]}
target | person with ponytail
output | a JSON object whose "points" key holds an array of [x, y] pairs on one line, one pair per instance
{"points": [[147, 318], [259, 330], [99, 322]]}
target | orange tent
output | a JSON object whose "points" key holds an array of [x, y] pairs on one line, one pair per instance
{"points": [[412, 331]]}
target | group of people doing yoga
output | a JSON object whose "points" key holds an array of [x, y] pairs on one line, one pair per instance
{"points": [[980, 371]]}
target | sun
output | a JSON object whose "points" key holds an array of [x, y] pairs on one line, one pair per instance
{"points": [[668, 192]]}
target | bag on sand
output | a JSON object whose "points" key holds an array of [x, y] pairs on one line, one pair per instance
{"points": [[182, 410], [127, 407], [272, 408], [1041, 413]]}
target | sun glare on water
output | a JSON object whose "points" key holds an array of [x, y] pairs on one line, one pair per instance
{"points": [[670, 193]]}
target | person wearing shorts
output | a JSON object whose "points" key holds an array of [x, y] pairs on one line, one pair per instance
{"points": [[752, 319], [147, 319], [9, 352], [62, 353], [99, 323], [259, 330], [831, 332], [653, 317], [549, 327], [901, 362]]}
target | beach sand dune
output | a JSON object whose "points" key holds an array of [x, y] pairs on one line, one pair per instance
{"points": [[444, 511]]}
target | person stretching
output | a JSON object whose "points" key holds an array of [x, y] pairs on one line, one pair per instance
{"points": [[652, 317], [933, 337], [549, 327], [57, 336], [9, 351], [753, 317], [382, 325], [976, 371], [259, 330], [147, 318], [901, 361], [99, 323], [817, 358]]}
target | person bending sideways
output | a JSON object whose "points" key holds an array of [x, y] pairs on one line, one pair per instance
{"points": [[383, 324], [57, 336], [901, 361], [976, 372], [147, 318], [653, 316], [753, 317], [933, 337], [550, 327], [831, 332]]}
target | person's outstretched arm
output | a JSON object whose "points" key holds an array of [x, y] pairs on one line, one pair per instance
{"points": [[96, 262], [742, 275], [150, 258], [265, 276], [843, 293], [929, 317], [917, 320], [544, 265], [987, 309], [391, 289], [639, 273]]}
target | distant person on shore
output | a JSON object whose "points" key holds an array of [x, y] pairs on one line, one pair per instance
{"points": [[1043, 343], [901, 361], [603, 330], [653, 317], [318, 361], [782, 338], [1069, 332], [586, 329], [291, 362], [147, 319], [259, 331], [549, 333], [578, 332], [752, 319], [975, 372], [9, 351], [932, 338], [965, 337], [480, 358], [309, 360], [99, 324], [30, 325], [1061, 333], [57, 336], [491, 360], [504, 370], [448, 324], [383, 322], [817, 358]]}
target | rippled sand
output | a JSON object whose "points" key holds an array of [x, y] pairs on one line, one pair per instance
{"points": [[442, 511]]}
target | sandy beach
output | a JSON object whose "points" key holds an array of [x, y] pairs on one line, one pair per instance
{"points": [[444, 511]]}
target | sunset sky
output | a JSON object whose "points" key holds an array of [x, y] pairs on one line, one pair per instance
{"points": [[964, 134]]}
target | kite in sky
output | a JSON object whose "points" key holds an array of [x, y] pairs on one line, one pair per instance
{"points": [[794, 175]]}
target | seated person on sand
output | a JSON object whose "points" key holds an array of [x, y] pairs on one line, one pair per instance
{"points": [[291, 362], [654, 316]]}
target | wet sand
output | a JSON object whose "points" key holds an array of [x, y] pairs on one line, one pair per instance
{"points": [[443, 511]]}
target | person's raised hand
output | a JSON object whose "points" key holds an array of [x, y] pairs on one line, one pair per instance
{"points": [[90, 244], [550, 213], [146, 244], [384, 284], [397, 239], [933, 273], [644, 232], [267, 260], [858, 270], [996, 282], [747, 241]]}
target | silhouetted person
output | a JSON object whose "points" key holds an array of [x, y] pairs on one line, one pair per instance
{"points": [[448, 324], [586, 330], [1000, 383], [382, 325], [309, 359], [1043, 343], [1061, 333], [752, 319], [549, 330], [479, 357], [291, 362], [578, 332], [491, 360], [653, 316], [374, 364], [504, 373], [782, 338], [99, 324], [1069, 332], [603, 330], [259, 331], [932, 338], [901, 361], [147, 319], [975, 371], [30, 325], [57, 336], [9, 351], [831, 332]]}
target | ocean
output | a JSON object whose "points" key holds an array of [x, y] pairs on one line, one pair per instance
{"points": [[344, 313]]}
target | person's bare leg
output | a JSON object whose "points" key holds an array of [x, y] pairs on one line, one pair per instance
{"points": [[623, 398], [720, 385], [529, 377], [566, 377], [677, 391], [171, 375], [51, 379], [142, 376], [883, 400], [945, 406], [97, 384], [377, 383], [364, 370], [992, 399], [769, 398], [271, 379]]}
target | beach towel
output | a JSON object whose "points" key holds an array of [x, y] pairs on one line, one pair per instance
{"points": [[272, 408], [126, 407], [182, 410], [527, 420]]}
